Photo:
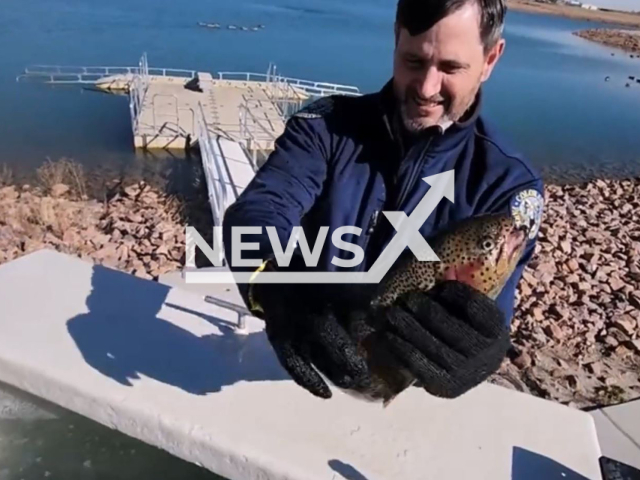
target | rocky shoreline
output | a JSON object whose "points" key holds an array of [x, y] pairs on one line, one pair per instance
{"points": [[576, 331], [601, 16], [630, 42]]}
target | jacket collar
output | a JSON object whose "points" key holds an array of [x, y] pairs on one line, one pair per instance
{"points": [[442, 139]]}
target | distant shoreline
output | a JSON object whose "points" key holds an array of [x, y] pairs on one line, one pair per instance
{"points": [[618, 18], [613, 38]]}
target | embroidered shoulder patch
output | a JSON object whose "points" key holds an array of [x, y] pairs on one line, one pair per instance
{"points": [[527, 207], [317, 109]]}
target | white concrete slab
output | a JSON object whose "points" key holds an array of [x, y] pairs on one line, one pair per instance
{"points": [[627, 417], [224, 292], [614, 443], [162, 366]]}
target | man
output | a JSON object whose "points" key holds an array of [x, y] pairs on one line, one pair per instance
{"points": [[343, 160]]}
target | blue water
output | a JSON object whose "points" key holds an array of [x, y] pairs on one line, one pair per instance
{"points": [[548, 92]]}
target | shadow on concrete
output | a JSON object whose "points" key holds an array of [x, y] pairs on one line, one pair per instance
{"points": [[122, 337], [528, 465], [346, 470]]}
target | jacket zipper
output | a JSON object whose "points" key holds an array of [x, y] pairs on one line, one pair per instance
{"points": [[375, 216], [414, 175]]}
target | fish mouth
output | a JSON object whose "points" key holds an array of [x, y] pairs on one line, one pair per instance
{"points": [[515, 243]]}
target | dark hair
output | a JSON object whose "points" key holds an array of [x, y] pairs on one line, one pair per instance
{"points": [[418, 16]]}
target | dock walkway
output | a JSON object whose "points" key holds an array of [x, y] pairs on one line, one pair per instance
{"points": [[167, 115]]}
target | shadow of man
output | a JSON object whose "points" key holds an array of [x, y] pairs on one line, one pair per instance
{"points": [[122, 337], [528, 465]]}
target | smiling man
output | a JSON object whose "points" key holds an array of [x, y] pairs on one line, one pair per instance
{"points": [[343, 160]]}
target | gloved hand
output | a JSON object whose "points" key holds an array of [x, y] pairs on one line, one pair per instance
{"points": [[305, 333], [450, 338]]}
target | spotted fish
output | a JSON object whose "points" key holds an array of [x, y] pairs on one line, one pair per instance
{"points": [[482, 252]]}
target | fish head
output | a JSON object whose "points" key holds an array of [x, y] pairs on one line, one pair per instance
{"points": [[483, 252]]}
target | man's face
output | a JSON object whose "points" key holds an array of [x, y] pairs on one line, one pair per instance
{"points": [[437, 74]]}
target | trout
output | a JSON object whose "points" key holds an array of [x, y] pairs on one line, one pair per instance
{"points": [[481, 251]]}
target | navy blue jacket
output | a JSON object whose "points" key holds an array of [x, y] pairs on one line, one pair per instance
{"points": [[341, 162]]}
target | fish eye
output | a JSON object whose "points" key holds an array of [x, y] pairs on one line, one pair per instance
{"points": [[487, 244]]}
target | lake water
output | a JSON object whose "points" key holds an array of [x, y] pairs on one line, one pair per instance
{"points": [[548, 92]]}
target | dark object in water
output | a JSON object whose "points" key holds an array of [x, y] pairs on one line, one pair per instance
{"points": [[613, 54], [638, 80], [482, 252], [607, 78], [631, 77], [627, 85]]}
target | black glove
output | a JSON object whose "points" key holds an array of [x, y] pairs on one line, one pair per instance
{"points": [[304, 331], [450, 338]]}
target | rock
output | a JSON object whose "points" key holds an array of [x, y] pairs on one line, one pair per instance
{"points": [[572, 380], [31, 245], [100, 239], [523, 360], [584, 287], [565, 246], [634, 299], [142, 273], [627, 324], [134, 218], [595, 368], [108, 253], [622, 351], [553, 331], [558, 312], [616, 284], [611, 341], [619, 335], [573, 265], [123, 253], [58, 190], [528, 277], [605, 288], [132, 190], [71, 237], [572, 279], [635, 345], [9, 193], [538, 314], [525, 289]]}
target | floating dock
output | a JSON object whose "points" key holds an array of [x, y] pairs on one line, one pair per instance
{"points": [[234, 118]]}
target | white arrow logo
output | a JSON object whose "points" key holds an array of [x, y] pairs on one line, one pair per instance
{"points": [[408, 235]]}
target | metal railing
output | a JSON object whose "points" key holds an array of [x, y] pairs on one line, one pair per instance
{"points": [[138, 92], [307, 86], [255, 140], [58, 74], [220, 193]]}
